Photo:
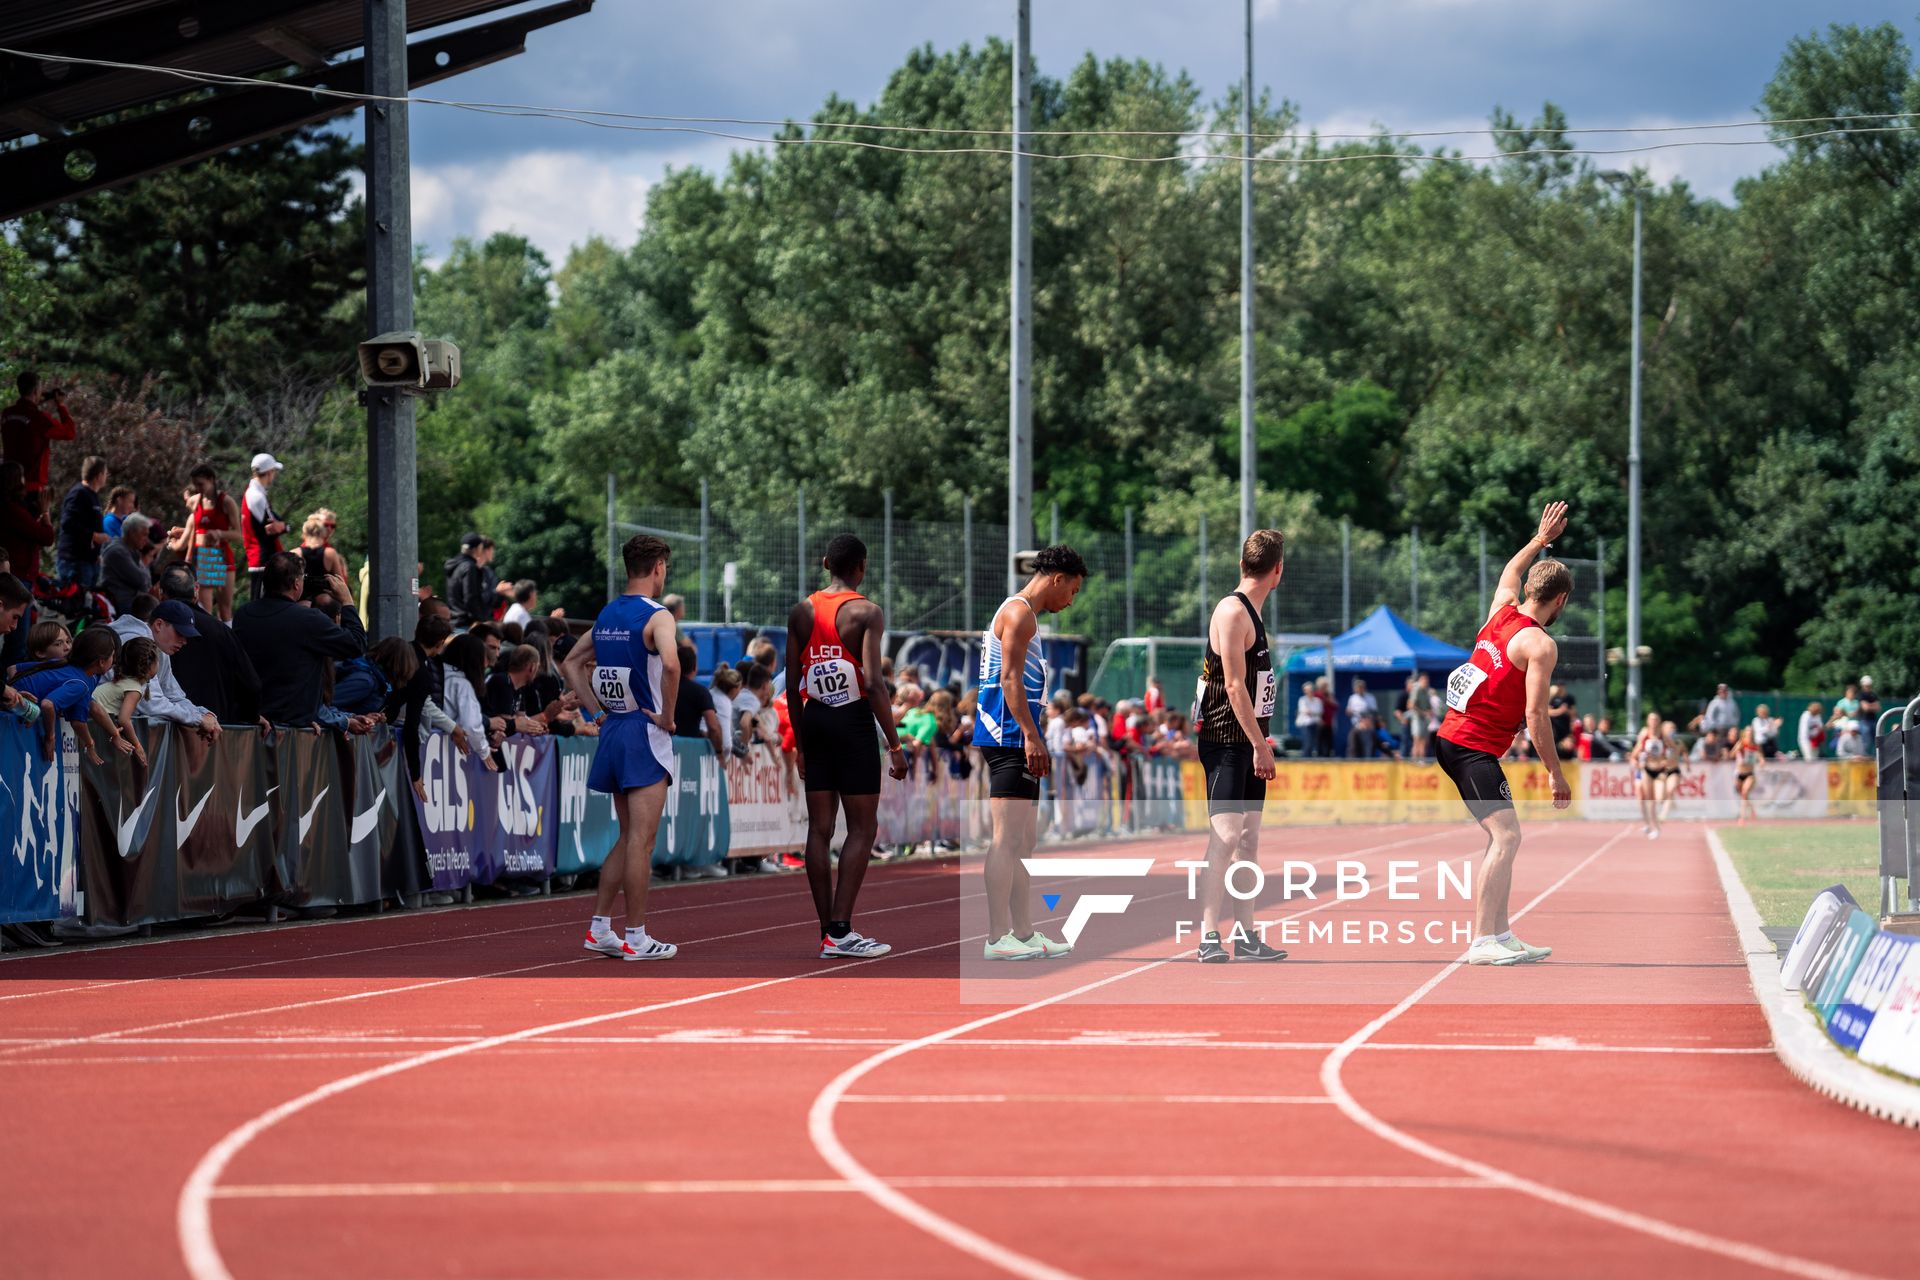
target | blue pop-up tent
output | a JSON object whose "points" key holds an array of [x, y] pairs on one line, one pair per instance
{"points": [[1383, 649]]}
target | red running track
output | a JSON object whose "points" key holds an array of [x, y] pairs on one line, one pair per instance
{"points": [[463, 1093]]}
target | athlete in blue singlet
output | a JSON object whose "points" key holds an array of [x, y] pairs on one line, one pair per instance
{"points": [[1006, 729], [629, 666]]}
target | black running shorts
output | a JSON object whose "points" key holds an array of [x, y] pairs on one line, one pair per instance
{"points": [[1479, 777], [842, 747], [1232, 785], [1007, 776]]}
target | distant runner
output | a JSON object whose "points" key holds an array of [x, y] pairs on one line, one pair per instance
{"points": [[834, 644], [1501, 686], [1013, 690]]}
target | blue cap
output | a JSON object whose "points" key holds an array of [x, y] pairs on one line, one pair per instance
{"points": [[178, 616]]}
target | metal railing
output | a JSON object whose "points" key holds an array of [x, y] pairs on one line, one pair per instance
{"points": [[934, 575]]}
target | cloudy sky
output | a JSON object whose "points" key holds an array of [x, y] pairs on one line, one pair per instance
{"points": [[1349, 64]]}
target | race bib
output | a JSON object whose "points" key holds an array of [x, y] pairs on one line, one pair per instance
{"points": [[613, 686], [1463, 684], [1265, 690], [832, 682]]}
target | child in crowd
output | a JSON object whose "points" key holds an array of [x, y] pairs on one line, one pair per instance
{"points": [[65, 692], [49, 641], [138, 661]]}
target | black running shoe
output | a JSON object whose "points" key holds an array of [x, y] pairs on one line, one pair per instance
{"points": [[1211, 952], [1255, 949]]}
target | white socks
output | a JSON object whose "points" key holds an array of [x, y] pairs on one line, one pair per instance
{"points": [[1504, 937], [636, 934], [600, 925]]}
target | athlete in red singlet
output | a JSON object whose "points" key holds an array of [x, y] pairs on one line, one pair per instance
{"points": [[833, 661], [1500, 687]]}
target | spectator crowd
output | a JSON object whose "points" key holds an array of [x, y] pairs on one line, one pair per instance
{"points": [[138, 620]]}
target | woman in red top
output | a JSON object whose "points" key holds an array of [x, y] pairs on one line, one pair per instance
{"points": [[210, 538], [1502, 686]]}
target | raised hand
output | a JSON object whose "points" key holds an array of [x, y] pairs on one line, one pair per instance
{"points": [[1553, 521]]}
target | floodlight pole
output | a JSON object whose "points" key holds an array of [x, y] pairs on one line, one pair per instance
{"points": [[1020, 419], [1247, 442], [393, 531], [1629, 182]]}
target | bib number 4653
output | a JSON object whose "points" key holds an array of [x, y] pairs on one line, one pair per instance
{"points": [[1463, 684]]}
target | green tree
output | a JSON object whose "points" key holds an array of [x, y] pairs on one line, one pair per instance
{"points": [[222, 279]]}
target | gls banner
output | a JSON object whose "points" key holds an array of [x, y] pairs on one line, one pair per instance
{"points": [[38, 800], [480, 826]]}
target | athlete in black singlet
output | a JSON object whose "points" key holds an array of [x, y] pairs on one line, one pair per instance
{"points": [[1232, 708]]}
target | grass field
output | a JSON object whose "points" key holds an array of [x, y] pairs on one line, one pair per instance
{"points": [[1784, 866]]}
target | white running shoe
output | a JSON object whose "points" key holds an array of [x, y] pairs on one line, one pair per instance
{"points": [[1493, 951], [1012, 948], [853, 945], [605, 944], [648, 949]]}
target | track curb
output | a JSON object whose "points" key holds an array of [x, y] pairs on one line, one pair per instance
{"points": [[1799, 1041]]}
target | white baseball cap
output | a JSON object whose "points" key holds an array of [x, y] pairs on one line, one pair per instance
{"points": [[263, 462]]}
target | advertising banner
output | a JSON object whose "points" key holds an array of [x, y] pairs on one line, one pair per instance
{"points": [[127, 864], [1850, 944], [1851, 787], [317, 862], [696, 824], [1421, 793], [1873, 981], [587, 825], [765, 818], [449, 803], [525, 792], [217, 818], [1193, 792], [39, 874], [1781, 789], [1892, 1041], [480, 825], [1158, 798]]}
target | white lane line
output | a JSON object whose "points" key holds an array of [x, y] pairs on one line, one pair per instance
{"points": [[754, 1040], [1738, 1250], [560, 1045], [763, 1186], [826, 1139], [193, 1215], [118, 1035], [429, 913], [1257, 1099]]}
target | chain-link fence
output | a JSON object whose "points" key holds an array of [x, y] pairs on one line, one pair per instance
{"points": [[949, 576]]}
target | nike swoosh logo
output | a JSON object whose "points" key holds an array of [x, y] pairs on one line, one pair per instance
{"points": [[192, 820], [306, 819], [127, 825], [364, 823], [245, 822]]}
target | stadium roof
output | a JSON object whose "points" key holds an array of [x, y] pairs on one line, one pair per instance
{"points": [[73, 110]]}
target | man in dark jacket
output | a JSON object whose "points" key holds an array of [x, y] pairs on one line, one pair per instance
{"points": [[292, 645], [469, 584], [212, 668]]}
